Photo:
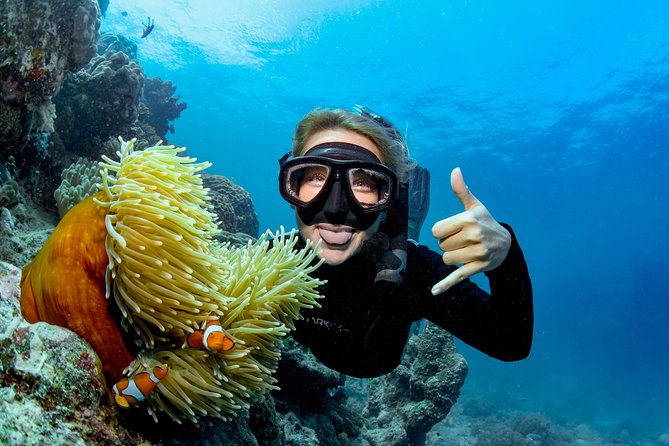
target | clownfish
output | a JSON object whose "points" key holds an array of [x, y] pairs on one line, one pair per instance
{"points": [[212, 337], [132, 391]]}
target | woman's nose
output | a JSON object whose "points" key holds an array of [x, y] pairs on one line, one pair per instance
{"points": [[336, 206]]}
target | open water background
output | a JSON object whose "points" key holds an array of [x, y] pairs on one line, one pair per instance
{"points": [[557, 112]]}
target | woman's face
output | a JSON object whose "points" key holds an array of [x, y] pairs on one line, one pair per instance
{"points": [[338, 242]]}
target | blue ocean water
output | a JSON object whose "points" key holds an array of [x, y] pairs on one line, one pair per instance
{"points": [[557, 112]]}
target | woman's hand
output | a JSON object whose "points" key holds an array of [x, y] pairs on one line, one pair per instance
{"points": [[472, 238]]}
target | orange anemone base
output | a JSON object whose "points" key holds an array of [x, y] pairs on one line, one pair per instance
{"points": [[65, 285]]}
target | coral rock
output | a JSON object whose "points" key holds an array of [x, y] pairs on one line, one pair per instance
{"points": [[43, 369], [163, 106], [109, 42], [407, 402], [98, 102], [232, 205], [42, 41]]}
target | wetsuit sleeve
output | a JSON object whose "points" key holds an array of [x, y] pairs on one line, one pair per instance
{"points": [[499, 323]]}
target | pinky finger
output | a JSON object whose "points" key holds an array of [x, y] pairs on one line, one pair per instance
{"points": [[465, 271]]}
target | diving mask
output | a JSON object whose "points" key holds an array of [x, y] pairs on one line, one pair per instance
{"points": [[338, 183]]}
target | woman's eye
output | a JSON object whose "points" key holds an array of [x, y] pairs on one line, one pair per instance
{"points": [[315, 175], [363, 184]]}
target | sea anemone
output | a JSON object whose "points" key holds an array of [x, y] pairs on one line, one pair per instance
{"points": [[168, 276]]}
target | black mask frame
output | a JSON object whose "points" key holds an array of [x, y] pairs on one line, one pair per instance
{"points": [[336, 203]]}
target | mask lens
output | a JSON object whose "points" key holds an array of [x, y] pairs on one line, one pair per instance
{"points": [[304, 182], [370, 188]]}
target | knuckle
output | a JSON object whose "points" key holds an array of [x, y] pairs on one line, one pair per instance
{"points": [[475, 235], [445, 257], [458, 277], [469, 218]]}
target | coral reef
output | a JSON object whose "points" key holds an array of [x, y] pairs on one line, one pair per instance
{"points": [[58, 103], [109, 42], [52, 390], [79, 182], [232, 205], [147, 241], [42, 367], [321, 406], [407, 402], [9, 192], [23, 228], [163, 106], [514, 428], [98, 102], [313, 402], [41, 42]]}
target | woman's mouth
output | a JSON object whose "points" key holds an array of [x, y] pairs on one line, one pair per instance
{"points": [[335, 235]]}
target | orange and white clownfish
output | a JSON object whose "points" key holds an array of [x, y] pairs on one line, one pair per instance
{"points": [[212, 337], [132, 391]]}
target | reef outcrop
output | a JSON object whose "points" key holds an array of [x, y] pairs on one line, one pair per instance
{"points": [[42, 41], [406, 403], [99, 102], [66, 91], [41, 364], [163, 105], [116, 42], [232, 204]]}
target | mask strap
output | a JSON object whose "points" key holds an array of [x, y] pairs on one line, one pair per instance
{"points": [[388, 247], [284, 158]]}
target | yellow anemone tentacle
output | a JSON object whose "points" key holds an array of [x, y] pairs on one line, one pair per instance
{"points": [[168, 275]]}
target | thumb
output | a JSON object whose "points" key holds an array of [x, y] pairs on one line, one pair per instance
{"points": [[461, 190]]}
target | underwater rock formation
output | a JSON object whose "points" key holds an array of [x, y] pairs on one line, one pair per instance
{"points": [[232, 205], [163, 106], [98, 102], [9, 193], [506, 426], [42, 369], [320, 406], [41, 42], [18, 242], [313, 403], [23, 229], [116, 42], [407, 402]]}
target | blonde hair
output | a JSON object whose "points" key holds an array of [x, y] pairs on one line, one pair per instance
{"points": [[394, 152]]}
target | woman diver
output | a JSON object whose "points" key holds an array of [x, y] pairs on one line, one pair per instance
{"points": [[347, 179]]}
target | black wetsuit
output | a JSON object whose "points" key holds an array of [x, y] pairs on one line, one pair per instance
{"points": [[361, 329]]}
